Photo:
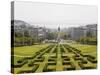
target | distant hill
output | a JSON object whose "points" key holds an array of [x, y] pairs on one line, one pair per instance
{"points": [[19, 23]]}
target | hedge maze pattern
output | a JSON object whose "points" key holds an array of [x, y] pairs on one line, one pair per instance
{"points": [[59, 57]]}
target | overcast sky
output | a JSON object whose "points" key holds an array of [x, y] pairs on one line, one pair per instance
{"points": [[54, 15]]}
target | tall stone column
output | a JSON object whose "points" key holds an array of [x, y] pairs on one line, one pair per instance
{"points": [[58, 38]]}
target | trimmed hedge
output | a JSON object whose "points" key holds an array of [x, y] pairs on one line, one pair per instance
{"points": [[92, 59], [39, 60], [31, 63], [77, 58], [35, 67], [85, 67], [71, 49], [72, 67], [46, 69], [29, 71], [19, 64], [21, 60], [66, 63], [66, 59], [51, 59], [84, 61], [85, 55], [51, 63]]}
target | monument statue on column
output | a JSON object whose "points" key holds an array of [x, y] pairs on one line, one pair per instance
{"points": [[58, 38]]}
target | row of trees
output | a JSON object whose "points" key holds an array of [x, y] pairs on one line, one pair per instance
{"points": [[51, 35], [25, 34], [88, 40], [23, 38]]}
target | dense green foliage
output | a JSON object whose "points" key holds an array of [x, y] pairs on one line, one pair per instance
{"points": [[88, 40]]}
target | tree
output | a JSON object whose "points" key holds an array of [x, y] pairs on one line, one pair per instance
{"points": [[18, 34], [26, 33], [51, 36]]}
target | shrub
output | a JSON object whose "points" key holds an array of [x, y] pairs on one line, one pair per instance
{"points": [[72, 67], [66, 63], [51, 63], [84, 61], [21, 60], [92, 60], [84, 66], [39, 60], [66, 59], [31, 63], [77, 58], [51, 59], [20, 64]]}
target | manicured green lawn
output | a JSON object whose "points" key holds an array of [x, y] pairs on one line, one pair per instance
{"points": [[89, 49], [28, 50], [15, 59], [20, 52]]}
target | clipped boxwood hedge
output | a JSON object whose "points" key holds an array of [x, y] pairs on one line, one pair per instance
{"points": [[19, 64], [31, 63], [85, 67]]}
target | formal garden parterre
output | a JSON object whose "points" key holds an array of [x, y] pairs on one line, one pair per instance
{"points": [[55, 57]]}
